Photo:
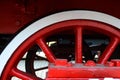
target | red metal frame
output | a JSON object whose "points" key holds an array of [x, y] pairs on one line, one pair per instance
{"points": [[15, 14], [88, 70]]}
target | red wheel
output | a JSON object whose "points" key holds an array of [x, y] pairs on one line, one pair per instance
{"points": [[78, 27]]}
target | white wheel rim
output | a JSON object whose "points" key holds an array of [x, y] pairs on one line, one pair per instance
{"points": [[46, 21]]}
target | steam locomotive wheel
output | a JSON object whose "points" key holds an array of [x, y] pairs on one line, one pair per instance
{"points": [[37, 32], [31, 57]]}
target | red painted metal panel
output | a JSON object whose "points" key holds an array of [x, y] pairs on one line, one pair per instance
{"points": [[87, 70], [15, 14], [83, 79]]}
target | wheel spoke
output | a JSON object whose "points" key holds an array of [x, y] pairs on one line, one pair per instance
{"points": [[46, 50], [78, 55], [61, 27], [22, 75], [108, 51], [42, 68]]}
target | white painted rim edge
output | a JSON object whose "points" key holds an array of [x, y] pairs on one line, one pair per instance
{"points": [[54, 18]]}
